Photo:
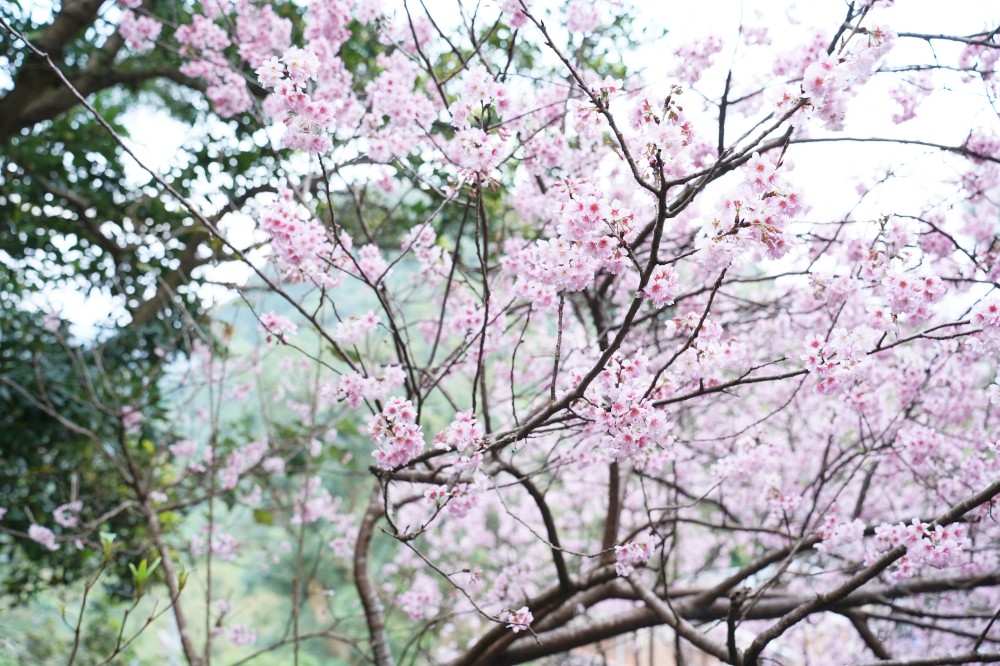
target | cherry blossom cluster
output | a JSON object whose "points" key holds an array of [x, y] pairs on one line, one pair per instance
{"points": [[979, 58], [520, 620], [467, 318], [711, 355], [435, 262], [399, 109], [756, 217], [354, 330], [396, 434], [986, 315], [837, 533], [200, 465], [277, 326], [43, 536], [481, 100], [828, 82], [460, 498], [793, 62], [982, 59], [630, 555], [920, 447], [67, 515], [841, 360], [371, 264], [241, 459], [422, 600], [981, 176], [184, 448], [302, 248], [220, 544], [908, 95], [748, 460], [467, 314], [665, 139], [593, 234], [512, 12], [313, 502], [131, 418], [909, 297], [602, 228], [464, 438], [662, 286], [260, 32], [241, 634], [478, 153], [616, 407], [356, 387], [464, 432], [695, 57], [940, 547], [306, 119], [138, 31], [205, 41]]}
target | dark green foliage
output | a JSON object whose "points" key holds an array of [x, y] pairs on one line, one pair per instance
{"points": [[42, 457]]}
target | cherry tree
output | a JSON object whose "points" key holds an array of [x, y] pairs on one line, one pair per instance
{"points": [[694, 331]]}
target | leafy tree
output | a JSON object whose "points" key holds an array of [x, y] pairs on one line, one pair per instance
{"points": [[72, 217]]}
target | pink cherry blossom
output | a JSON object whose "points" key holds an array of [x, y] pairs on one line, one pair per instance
{"points": [[396, 434], [67, 515], [520, 620], [277, 326], [630, 555], [43, 536]]}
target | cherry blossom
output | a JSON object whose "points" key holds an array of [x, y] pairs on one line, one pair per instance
{"points": [[631, 555], [520, 620], [43, 536], [396, 434]]}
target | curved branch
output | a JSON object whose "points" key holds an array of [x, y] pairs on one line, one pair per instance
{"points": [[369, 596], [829, 599]]}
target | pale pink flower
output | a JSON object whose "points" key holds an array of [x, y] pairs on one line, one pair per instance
{"points": [[240, 634], [520, 620], [66, 514], [43, 536], [630, 555], [277, 326]]}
